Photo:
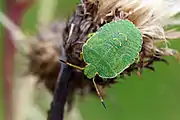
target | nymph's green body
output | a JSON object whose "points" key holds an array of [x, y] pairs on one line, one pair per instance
{"points": [[112, 49]]}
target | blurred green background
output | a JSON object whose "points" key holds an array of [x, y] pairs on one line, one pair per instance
{"points": [[154, 97], [1, 70]]}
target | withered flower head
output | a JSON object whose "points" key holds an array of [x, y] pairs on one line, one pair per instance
{"points": [[88, 17]]}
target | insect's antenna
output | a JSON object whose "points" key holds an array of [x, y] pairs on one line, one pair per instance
{"points": [[77, 67], [97, 90]]}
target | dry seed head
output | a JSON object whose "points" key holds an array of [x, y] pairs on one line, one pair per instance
{"points": [[45, 53], [144, 16], [149, 17], [44, 62]]}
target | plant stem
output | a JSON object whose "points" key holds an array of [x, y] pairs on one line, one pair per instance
{"points": [[14, 11], [60, 95]]}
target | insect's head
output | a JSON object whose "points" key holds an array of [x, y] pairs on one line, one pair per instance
{"points": [[90, 71]]}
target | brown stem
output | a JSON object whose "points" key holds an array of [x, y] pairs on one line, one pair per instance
{"points": [[14, 11]]}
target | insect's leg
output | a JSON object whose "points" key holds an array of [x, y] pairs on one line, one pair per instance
{"points": [[91, 34], [81, 56], [75, 66], [97, 90], [137, 59], [139, 73], [139, 62]]}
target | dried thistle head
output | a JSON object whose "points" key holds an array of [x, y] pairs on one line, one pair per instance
{"points": [[44, 62], [88, 17], [146, 15], [45, 52], [92, 14]]}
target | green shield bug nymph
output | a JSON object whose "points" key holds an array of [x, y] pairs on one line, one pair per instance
{"points": [[112, 49]]}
